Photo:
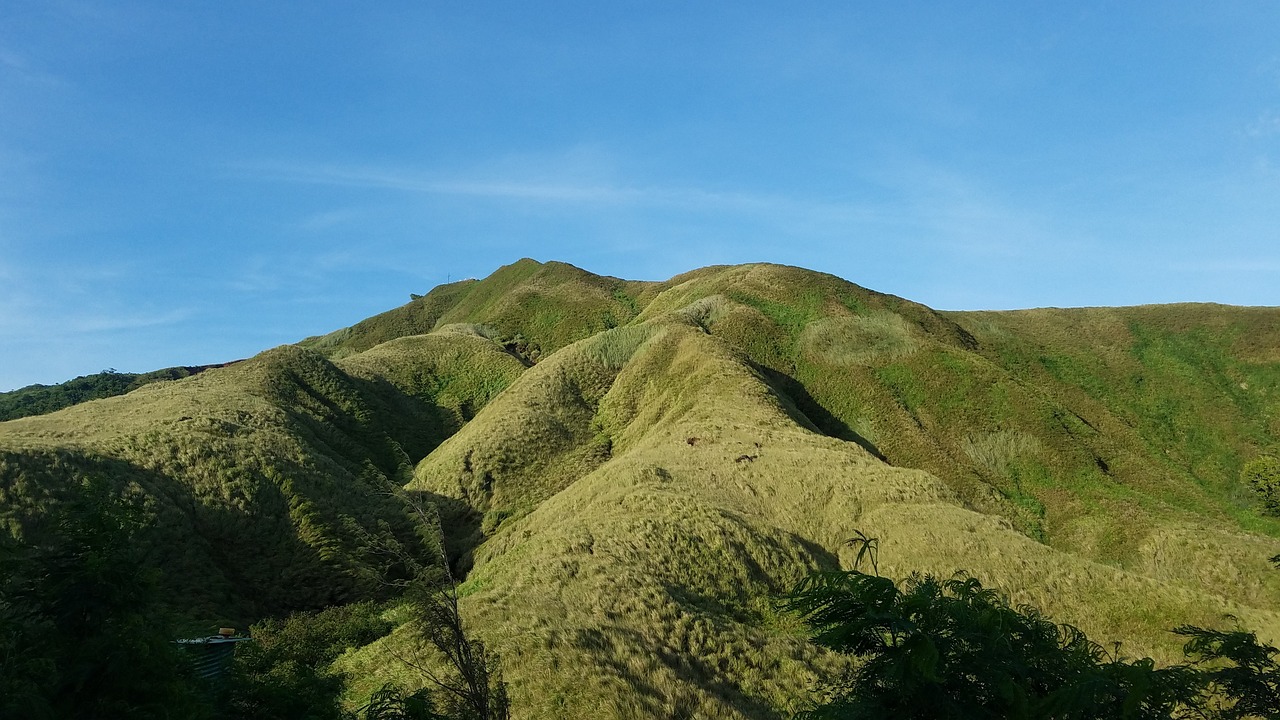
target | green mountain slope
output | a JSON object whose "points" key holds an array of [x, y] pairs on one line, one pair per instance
{"points": [[531, 307], [628, 473], [262, 476], [41, 399], [653, 565]]}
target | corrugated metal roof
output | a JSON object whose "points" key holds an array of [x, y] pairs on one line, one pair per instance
{"points": [[210, 655]]}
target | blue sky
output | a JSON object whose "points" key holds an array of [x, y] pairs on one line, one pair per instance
{"points": [[193, 182]]}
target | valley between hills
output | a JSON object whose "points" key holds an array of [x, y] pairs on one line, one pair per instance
{"points": [[628, 474]]}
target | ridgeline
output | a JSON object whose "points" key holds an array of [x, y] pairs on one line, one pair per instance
{"points": [[629, 474]]}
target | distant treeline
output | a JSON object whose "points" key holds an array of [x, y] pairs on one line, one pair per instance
{"points": [[42, 399]]}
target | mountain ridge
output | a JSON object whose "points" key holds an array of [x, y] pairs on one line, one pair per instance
{"points": [[628, 472]]}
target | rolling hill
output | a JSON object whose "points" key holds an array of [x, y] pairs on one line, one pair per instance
{"points": [[629, 473]]}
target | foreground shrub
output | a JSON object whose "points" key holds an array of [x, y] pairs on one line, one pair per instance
{"points": [[1263, 475], [954, 649], [82, 631]]}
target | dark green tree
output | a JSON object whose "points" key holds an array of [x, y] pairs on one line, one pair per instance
{"points": [[1263, 475], [1241, 673], [392, 703], [82, 630], [285, 672], [462, 678], [935, 648]]}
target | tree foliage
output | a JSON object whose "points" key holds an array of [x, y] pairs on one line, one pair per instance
{"points": [[954, 649], [935, 648], [1263, 475], [82, 631], [284, 673], [1240, 672], [463, 679], [42, 399], [468, 684], [392, 703]]}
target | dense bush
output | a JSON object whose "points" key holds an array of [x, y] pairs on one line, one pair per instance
{"points": [[82, 632], [284, 673], [953, 649], [1263, 475], [42, 399], [1240, 673]]}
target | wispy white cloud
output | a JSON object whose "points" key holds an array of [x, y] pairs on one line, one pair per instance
{"points": [[900, 208], [425, 183], [327, 220], [20, 67], [105, 323], [1267, 124], [975, 229], [258, 274], [22, 319], [970, 216], [541, 188], [66, 300], [1233, 265], [300, 271]]}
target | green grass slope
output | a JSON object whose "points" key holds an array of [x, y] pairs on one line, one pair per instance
{"points": [[42, 399], [1095, 431], [264, 478], [533, 308], [628, 473], [637, 582]]}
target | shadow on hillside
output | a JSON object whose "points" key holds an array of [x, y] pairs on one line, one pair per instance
{"points": [[638, 661], [460, 528], [217, 562], [810, 413], [710, 667]]}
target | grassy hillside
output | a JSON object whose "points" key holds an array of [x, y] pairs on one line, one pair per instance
{"points": [[1077, 437], [41, 399], [629, 473], [262, 477], [530, 307], [684, 485]]}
